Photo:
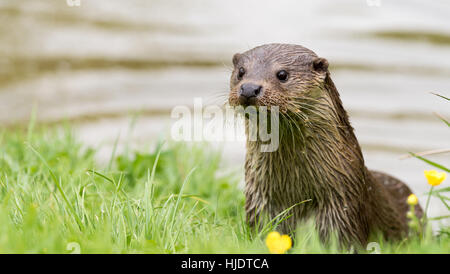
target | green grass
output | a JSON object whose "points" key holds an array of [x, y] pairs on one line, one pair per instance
{"points": [[55, 198]]}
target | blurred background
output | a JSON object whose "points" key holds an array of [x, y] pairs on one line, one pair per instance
{"points": [[99, 64]]}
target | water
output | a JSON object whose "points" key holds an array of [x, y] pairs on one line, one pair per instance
{"points": [[99, 63]]}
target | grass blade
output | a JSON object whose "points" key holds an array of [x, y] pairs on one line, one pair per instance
{"points": [[442, 96], [430, 162], [58, 186]]}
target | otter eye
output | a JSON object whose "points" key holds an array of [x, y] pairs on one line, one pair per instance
{"points": [[282, 75], [241, 73]]}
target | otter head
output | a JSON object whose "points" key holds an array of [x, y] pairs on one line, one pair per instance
{"points": [[277, 75]]}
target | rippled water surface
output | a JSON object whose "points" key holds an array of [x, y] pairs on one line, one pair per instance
{"points": [[99, 63]]}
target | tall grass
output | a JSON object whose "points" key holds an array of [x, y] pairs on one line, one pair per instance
{"points": [[55, 198]]}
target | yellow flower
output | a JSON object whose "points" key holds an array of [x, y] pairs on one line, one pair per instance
{"points": [[412, 200], [278, 244], [435, 178]]}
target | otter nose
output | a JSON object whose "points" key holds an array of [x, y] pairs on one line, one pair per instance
{"points": [[249, 92]]}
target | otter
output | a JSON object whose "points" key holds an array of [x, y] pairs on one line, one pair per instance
{"points": [[318, 159]]}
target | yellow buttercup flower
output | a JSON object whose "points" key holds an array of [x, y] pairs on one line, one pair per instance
{"points": [[278, 244], [434, 177], [412, 200]]}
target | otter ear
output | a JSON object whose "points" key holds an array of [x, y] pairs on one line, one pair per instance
{"points": [[236, 58], [320, 64]]}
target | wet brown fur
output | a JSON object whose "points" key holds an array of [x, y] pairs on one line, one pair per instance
{"points": [[319, 157]]}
